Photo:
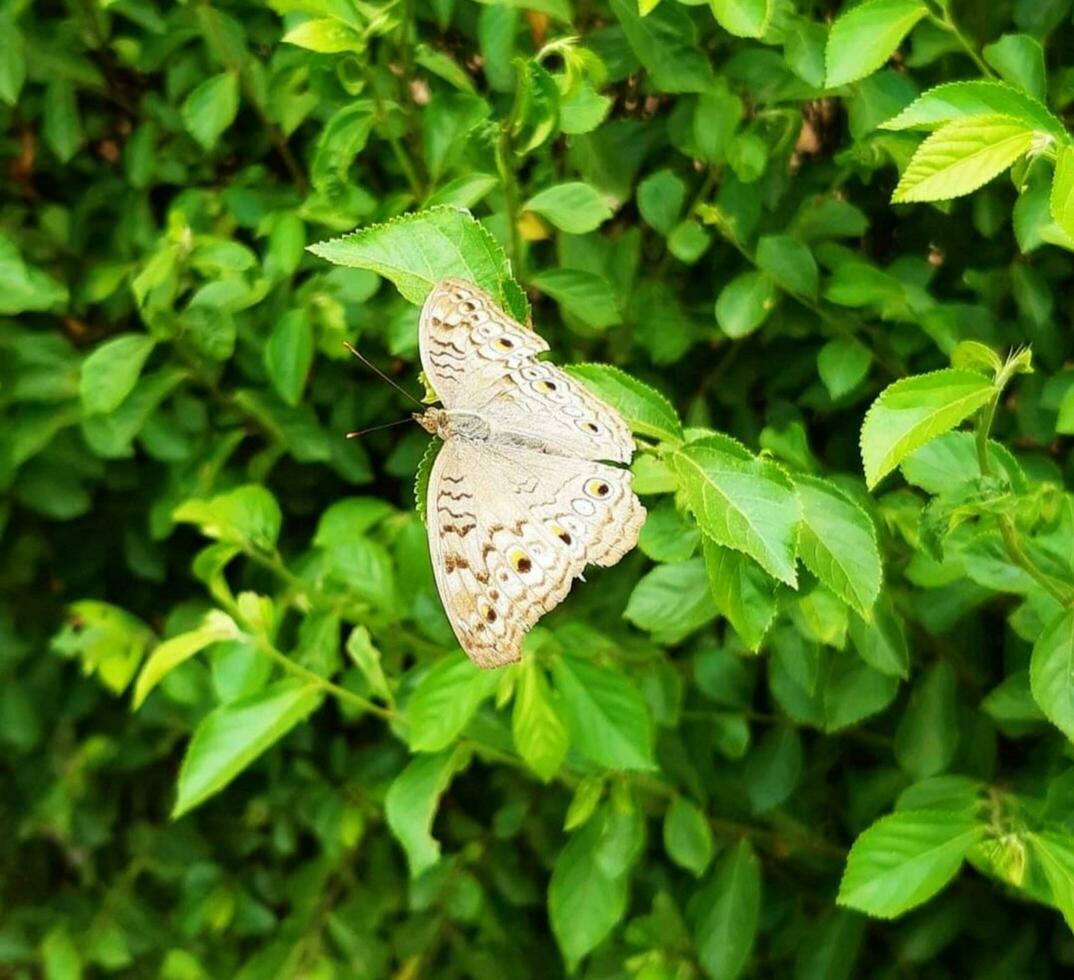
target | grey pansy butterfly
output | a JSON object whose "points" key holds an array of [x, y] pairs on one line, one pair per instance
{"points": [[517, 503]]}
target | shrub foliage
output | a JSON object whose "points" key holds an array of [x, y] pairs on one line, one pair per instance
{"points": [[814, 252]]}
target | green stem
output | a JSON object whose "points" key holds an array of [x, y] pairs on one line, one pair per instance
{"points": [[397, 148], [945, 23], [265, 646], [1012, 542], [504, 160]]}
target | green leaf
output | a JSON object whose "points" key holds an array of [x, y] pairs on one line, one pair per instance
{"points": [[744, 303], [1061, 200], [445, 700], [574, 207], [24, 288], [837, 543], [60, 955], [865, 36], [1019, 58], [289, 354], [744, 594], [366, 657], [843, 365], [950, 460], [412, 800], [726, 911], [111, 371], [556, 9], [853, 691], [211, 108], [325, 35], [584, 902], [665, 42], [687, 836], [1051, 672], [958, 100], [108, 640], [418, 251], [232, 736], [773, 769], [539, 734], [789, 263], [971, 355], [62, 124], [646, 411], [832, 952], [962, 156], [746, 504], [914, 410], [660, 200], [804, 47], [881, 642], [247, 516], [582, 294], [12, 59], [668, 535], [1055, 853], [606, 715], [217, 626], [343, 137], [672, 601], [743, 18], [904, 859], [927, 735]]}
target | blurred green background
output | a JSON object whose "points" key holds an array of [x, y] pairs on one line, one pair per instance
{"points": [[237, 738]]}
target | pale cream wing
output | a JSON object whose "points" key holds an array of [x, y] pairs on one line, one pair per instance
{"points": [[509, 531], [461, 333], [479, 359]]}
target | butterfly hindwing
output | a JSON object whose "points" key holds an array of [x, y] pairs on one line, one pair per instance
{"points": [[509, 531]]}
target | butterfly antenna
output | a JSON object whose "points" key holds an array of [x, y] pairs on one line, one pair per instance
{"points": [[375, 428], [377, 371]]}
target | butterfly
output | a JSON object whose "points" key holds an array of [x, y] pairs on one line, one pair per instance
{"points": [[519, 501]]}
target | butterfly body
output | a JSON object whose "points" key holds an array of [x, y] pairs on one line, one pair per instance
{"points": [[519, 500]]}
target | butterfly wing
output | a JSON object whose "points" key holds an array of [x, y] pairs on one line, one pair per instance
{"points": [[479, 359], [509, 531]]}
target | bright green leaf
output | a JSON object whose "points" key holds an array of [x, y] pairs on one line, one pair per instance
{"points": [[574, 207], [289, 354], [211, 108], [606, 715], [419, 250], [111, 371], [743, 18], [904, 859], [411, 804], [646, 411], [962, 156], [865, 36], [914, 410], [232, 736], [538, 732], [748, 505], [837, 543], [1051, 672]]}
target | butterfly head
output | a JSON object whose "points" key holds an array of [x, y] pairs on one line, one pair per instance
{"points": [[432, 420]]}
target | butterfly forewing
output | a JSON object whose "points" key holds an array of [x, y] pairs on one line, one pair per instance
{"points": [[479, 359]]}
